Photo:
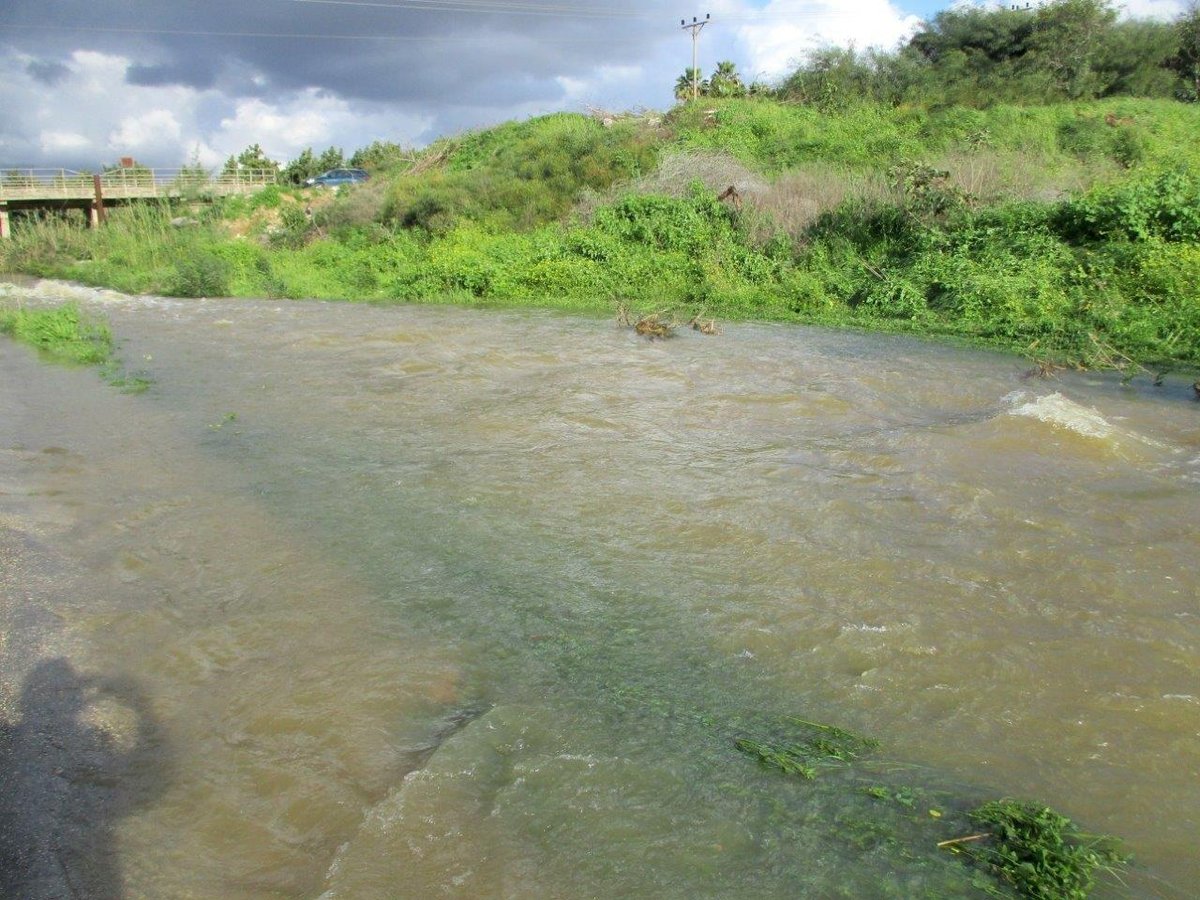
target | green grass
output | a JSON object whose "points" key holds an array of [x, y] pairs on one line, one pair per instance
{"points": [[776, 136], [63, 334]]}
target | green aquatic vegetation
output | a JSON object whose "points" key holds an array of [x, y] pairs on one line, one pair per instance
{"points": [[903, 795], [1038, 852], [800, 754], [791, 759], [1030, 850], [836, 743], [62, 333], [864, 833], [127, 382]]}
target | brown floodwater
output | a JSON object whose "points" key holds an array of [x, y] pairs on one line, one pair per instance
{"points": [[421, 601]]}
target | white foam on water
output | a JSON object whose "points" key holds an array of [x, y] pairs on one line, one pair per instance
{"points": [[1055, 409], [59, 291], [48, 291]]}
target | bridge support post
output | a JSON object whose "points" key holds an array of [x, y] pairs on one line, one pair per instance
{"points": [[96, 210], [5, 228]]}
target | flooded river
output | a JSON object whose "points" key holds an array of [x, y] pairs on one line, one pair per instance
{"points": [[432, 602]]}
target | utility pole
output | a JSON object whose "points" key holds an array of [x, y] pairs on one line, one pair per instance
{"points": [[695, 28]]}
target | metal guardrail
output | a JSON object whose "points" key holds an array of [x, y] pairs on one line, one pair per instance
{"points": [[134, 183]]}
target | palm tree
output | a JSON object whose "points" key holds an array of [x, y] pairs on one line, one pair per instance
{"points": [[683, 86], [726, 82]]}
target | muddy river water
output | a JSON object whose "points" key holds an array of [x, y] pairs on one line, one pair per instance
{"points": [[432, 602]]}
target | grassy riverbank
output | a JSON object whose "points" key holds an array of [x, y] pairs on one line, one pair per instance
{"points": [[1068, 232]]}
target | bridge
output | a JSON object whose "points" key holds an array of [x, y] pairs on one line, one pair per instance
{"points": [[65, 189]]}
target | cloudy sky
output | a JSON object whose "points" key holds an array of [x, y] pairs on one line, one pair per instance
{"points": [[83, 82]]}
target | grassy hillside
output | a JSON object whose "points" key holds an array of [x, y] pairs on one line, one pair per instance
{"points": [[1070, 232]]}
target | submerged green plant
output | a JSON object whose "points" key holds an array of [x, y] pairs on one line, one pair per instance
{"points": [[788, 758], [1030, 850], [836, 743], [798, 755], [1039, 852], [127, 382], [62, 333]]}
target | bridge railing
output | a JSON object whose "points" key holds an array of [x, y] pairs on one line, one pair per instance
{"points": [[129, 183]]}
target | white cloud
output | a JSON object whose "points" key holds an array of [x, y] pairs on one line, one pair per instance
{"points": [[779, 35], [147, 131], [603, 81], [1152, 9], [306, 120], [169, 125], [62, 141], [310, 118], [97, 74]]}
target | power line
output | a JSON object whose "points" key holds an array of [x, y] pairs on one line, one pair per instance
{"points": [[474, 7], [444, 39], [485, 6], [562, 11]]}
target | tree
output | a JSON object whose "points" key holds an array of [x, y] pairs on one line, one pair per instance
{"points": [[331, 158], [832, 78], [381, 155], [253, 159], [1067, 38], [1135, 60], [301, 168], [134, 173], [1186, 61], [307, 164], [726, 82], [683, 85]]}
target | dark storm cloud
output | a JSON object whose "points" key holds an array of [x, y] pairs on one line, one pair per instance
{"points": [[191, 72], [358, 50], [46, 72]]}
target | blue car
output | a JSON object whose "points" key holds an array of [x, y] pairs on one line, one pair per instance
{"points": [[336, 177]]}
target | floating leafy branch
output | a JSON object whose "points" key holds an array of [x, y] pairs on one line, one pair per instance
{"points": [[1038, 851]]}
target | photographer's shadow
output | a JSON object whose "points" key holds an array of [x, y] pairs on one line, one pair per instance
{"points": [[85, 752]]}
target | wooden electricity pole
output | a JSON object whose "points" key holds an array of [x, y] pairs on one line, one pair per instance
{"points": [[696, 26]]}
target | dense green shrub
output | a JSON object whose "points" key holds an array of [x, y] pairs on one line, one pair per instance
{"points": [[522, 174], [1162, 205], [200, 274], [967, 55]]}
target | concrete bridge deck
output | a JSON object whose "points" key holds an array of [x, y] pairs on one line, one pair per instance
{"points": [[58, 188]]}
